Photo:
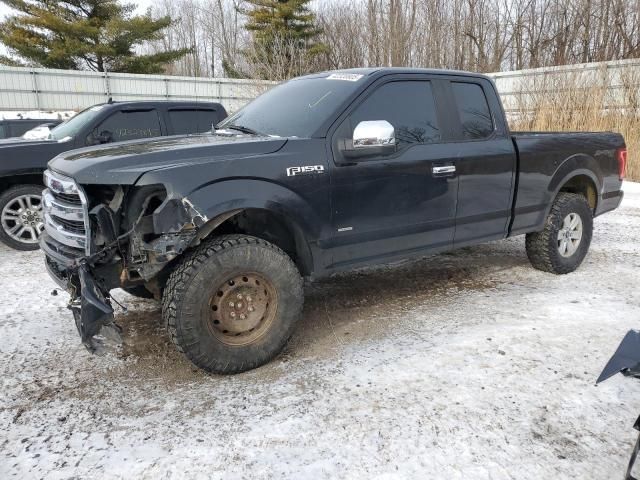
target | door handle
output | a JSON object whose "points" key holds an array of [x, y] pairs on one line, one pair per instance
{"points": [[444, 170]]}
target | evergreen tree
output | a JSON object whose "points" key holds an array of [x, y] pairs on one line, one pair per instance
{"points": [[284, 33], [99, 35]]}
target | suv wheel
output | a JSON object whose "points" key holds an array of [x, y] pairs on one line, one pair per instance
{"points": [[562, 245], [21, 220], [232, 304]]}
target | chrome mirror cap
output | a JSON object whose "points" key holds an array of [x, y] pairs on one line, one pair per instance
{"points": [[373, 133]]}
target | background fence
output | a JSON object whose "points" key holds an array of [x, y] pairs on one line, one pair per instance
{"points": [[58, 90], [617, 83]]}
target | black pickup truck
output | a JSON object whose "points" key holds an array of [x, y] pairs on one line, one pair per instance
{"points": [[22, 162], [321, 174]]}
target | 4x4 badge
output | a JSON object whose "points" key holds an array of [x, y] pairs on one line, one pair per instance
{"points": [[293, 171]]}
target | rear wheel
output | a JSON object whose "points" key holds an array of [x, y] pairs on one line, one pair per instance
{"points": [[21, 221], [562, 245], [233, 303]]}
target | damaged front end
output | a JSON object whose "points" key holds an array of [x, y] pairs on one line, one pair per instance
{"points": [[99, 238]]}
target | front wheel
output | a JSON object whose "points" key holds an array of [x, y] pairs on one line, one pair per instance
{"points": [[21, 221], [562, 245], [232, 304]]}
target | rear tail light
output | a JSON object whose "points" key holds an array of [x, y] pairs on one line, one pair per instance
{"points": [[622, 162]]}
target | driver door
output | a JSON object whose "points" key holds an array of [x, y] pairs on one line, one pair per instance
{"points": [[402, 201]]}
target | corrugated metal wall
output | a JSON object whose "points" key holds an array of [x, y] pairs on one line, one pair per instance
{"points": [[44, 89], [619, 80], [49, 89]]}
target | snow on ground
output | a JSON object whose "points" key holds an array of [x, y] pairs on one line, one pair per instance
{"points": [[463, 365], [36, 114]]}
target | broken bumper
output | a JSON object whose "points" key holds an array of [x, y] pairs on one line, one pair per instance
{"points": [[89, 303]]}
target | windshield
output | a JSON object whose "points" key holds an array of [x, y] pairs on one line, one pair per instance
{"points": [[71, 127], [296, 108]]}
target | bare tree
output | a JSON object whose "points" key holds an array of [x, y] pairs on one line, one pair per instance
{"points": [[479, 35]]}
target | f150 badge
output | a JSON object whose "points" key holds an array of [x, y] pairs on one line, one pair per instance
{"points": [[293, 171]]}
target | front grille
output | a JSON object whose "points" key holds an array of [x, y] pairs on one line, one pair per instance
{"points": [[70, 225], [67, 197], [65, 212]]}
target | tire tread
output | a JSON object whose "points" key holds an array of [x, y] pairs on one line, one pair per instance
{"points": [[176, 287]]}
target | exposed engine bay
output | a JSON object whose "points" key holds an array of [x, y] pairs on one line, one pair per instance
{"points": [[130, 235]]}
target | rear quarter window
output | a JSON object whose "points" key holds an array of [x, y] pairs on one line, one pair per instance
{"points": [[473, 110], [186, 121]]}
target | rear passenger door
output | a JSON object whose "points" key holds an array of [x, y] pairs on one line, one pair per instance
{"points": [[486, 162]]}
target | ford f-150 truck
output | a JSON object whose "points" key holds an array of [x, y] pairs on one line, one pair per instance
{"points": [[22, 161], [321, 174]]}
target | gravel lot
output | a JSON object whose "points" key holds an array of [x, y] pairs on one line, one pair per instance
{"points": [[464, 365]]}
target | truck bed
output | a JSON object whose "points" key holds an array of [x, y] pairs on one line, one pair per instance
{"points": [[544, 157]]}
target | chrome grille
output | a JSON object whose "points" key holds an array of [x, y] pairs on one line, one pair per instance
{"points": [[66, 219]]}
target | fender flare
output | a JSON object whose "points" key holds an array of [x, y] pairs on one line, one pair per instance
{"points": [[219, 201], [575, 166]]}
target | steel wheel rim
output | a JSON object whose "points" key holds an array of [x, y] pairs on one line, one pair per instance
{"points": [[21, 218], [242, 309], [570, 235]]}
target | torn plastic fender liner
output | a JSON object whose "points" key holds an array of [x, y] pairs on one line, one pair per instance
{"points": [[174, 214], [93, 313]]}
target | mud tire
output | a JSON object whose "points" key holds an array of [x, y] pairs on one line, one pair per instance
{"points": [[542, 247], [187, 297]]}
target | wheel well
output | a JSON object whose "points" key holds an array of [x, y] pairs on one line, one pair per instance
{"points": [[583, 185], [273, 228], [30, 179]]}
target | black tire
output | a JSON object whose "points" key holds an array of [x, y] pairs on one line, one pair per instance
{"points": [[139, 291], [198, 301], [544, 248], [8, 198]]}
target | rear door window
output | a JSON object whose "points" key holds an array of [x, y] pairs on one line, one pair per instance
{"points": [[473, 110], [131, 125], [186, 121]]}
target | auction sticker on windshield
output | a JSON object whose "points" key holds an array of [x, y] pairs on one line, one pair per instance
{"points": [[349, 77]]}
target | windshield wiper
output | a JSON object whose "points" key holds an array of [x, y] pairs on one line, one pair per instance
{"points": [[243, 129]]}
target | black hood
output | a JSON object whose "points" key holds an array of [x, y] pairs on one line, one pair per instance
{"points": [[27, 156], [125, 162], [11, 142]]}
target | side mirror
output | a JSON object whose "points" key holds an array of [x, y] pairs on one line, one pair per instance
{"points": [[95, 138], [371, 138], [105, 136]]}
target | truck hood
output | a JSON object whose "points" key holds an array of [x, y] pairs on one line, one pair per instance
{"points": [[13, 141], [25, 156], [123, 163]]}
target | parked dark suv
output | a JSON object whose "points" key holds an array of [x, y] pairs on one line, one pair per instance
{"points": [[23, 162]]}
